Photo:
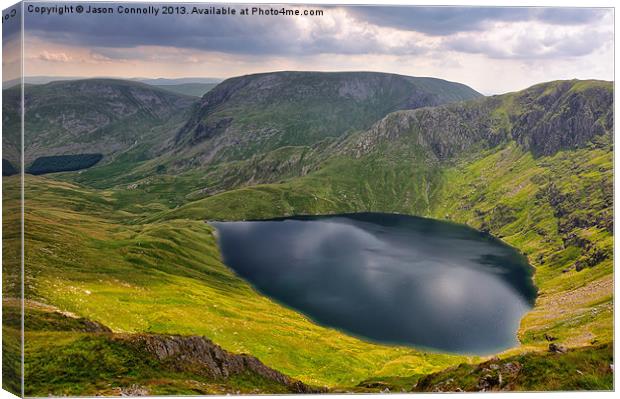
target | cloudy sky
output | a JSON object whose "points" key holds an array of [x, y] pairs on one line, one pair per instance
{"points": [[494, 50]]}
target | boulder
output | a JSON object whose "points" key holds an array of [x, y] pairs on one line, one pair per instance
{"points": [[554, 348]]}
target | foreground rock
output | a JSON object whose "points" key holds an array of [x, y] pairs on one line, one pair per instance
{"points": [[201, 356], [133, 364]]}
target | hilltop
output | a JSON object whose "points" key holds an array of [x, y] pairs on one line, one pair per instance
{"points": [[254, 114], [104, 116]]}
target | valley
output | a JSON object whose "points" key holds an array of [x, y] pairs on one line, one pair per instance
{"points": [[125, 243]]}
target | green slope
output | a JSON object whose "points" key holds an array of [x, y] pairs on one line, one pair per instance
{"points": [[93, 116], [579, 369], [251, 122], [69, 356], [167, 277], [253, 114]]}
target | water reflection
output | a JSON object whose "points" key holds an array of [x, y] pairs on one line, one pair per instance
{"points": [[388, 278]]}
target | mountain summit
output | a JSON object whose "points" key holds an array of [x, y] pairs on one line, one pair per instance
{"points": [[254, 114]]}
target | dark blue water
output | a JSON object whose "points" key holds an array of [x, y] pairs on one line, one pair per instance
{"points": [[388, 278]]}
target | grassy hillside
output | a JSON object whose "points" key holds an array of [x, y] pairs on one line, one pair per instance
{"points": [[167, 277], [589, 368], [92, 116], [11, 281], [254, 114], [533, 168], [67, 355], [266, 127]]}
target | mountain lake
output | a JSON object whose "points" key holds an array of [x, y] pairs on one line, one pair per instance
{"points": [[388, 278]]}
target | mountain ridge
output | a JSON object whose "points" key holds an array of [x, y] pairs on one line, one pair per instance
{"points": [[442, 133], [501, 118], [297, 108], [491, 117]]}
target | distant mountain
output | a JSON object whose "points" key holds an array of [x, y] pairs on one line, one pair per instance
{"points": [[541, 120], [38, 80], [258, 113], [402, 157], [188, 89], [103, 116], [175, 81]]}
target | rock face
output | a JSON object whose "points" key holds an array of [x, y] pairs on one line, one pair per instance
{"points": [[443, 131], [562, 116], [544, 119], [132, 390], [200, 355], [252, 114]]}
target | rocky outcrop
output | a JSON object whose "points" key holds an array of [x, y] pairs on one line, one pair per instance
{"points": [[132, 390], [562, 115], [443, 132], [544, 119], [189, 354], [200, 355], [555, 348]]}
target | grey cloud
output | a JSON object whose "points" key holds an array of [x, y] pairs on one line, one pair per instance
{"points": [[113, 34], [441, 21], [583, 45], [213, 33], [570, 16], [528, 47], [270, 35]]}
